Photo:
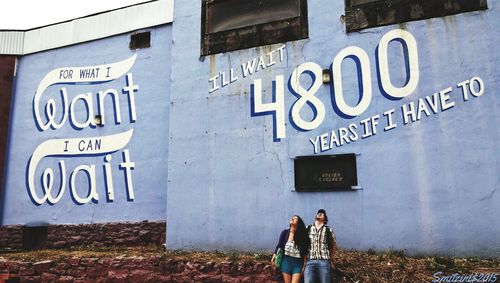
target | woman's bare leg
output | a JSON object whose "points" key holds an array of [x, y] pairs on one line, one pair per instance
{"points": [[296, 278], [287, 277]]}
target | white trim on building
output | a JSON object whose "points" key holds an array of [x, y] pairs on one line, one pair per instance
{"points": [[101, 25]]}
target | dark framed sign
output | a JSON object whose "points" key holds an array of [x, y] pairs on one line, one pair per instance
{"points": [[325, 172]]}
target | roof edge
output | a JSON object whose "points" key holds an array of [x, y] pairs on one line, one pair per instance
{"points": [[147, 14]]}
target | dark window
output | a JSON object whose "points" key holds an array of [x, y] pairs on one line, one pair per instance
{"points": [[35, 238], [237, 24], [360, 14], [140, 40], [325, 172]]}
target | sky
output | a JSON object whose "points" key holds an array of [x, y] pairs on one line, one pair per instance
{"points": [[27, 14]]}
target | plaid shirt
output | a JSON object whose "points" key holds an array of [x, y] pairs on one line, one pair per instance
{"points": [[319, 246]]}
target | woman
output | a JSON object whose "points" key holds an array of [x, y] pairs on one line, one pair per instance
{"points": [[295, 243]]}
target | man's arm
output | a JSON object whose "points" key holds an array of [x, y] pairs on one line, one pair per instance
{"points": [[332, 253], [334, 249]]}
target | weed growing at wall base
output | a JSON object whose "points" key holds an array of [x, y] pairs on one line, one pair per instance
{"points": [[350, 266]]}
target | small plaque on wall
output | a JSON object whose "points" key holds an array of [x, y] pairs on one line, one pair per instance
{"points": [[325, 172]]}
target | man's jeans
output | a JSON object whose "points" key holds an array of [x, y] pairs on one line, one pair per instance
{"points": [[317, 271]]}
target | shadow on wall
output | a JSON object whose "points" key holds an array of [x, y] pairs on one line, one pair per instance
{"points": [[7, 68]]}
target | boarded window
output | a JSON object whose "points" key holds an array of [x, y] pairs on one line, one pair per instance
{"points": [[325, 172], [361, 14], [35, 238], [237, 24]]}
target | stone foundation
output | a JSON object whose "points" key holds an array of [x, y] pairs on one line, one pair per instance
{"points": [[98, 235], [135, 269], [11, 237]]}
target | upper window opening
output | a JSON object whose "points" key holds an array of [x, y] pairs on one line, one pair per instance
{"points": [[361, 14], [140, 40], [237, 24]]}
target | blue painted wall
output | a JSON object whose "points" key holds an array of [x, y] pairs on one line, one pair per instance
{"points": [[144, 198], [429, 186]]}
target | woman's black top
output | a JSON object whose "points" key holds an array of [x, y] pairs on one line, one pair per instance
{"points": [[282, 242]]}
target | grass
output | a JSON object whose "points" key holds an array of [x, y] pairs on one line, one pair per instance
{"points": [[143, 251]]}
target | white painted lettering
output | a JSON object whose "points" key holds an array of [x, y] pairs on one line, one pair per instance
{"points": [[390, 123], [343, 134], [414, 73], [248, 68], [87, 101], [130, 89], [324, 142], [409, 113], [232, 77], [434, 103], [128, 166], [306, 96], [92, 194], [366, 95], [463, 86], [262, 64], [276, 108], [315, 143], [374, 123], [213, 81], [352, 129], [479, 82], [101, 95], [422, 107], [281, 51], [109, 178], [366, 128], [334, 139], [445, 98], [223, 79], [271, 58]]}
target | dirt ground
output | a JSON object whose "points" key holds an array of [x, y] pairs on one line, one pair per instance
{"points": [[351, 266]]}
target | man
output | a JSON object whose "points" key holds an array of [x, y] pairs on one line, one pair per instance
{"points": [[321, 252]]}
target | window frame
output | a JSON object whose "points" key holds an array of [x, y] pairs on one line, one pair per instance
{"points": [[140, 40], [376, 13], [271, 32]]}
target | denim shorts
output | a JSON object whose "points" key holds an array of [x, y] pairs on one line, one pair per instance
{"points": [[291, 265]]}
